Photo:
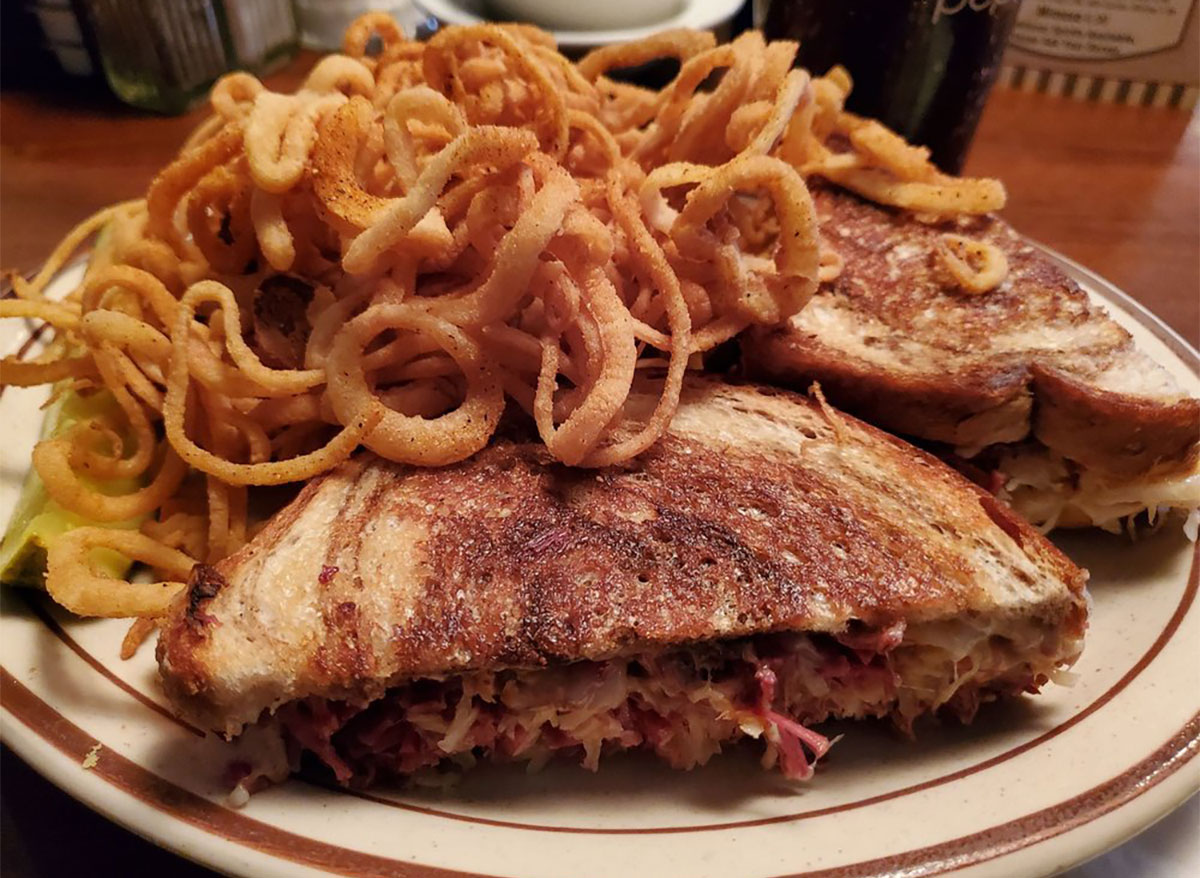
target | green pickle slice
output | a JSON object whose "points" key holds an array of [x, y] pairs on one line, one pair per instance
{"points": [[37, 519]]}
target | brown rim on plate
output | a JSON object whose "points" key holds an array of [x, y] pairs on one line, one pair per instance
{"points": [[950, 855], [25, 346], [1186, 601], [232, 826], [99, 667]]}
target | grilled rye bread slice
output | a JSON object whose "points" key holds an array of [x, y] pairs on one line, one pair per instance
{"points": [[383, 586], [894, 341]]}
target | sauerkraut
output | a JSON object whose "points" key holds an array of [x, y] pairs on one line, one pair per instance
{"points": [[1050, 490], [682, 704]]}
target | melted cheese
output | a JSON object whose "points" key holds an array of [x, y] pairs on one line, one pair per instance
{"points": [[1049, 490]]}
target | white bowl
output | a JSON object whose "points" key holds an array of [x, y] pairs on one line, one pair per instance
{"points": [[573, 15], [698, 14]]}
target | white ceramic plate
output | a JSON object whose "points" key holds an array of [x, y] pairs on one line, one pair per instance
{"points": [[698, 14], [1032, 787]]}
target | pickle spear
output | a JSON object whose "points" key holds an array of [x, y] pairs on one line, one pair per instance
{"points": [[37, 519]]}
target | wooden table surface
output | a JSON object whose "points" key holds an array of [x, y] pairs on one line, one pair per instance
{"points": [[1116, 188]]}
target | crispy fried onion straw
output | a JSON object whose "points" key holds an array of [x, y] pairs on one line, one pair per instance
{"points": [[73, 582], [419, 233], [976, 266]]}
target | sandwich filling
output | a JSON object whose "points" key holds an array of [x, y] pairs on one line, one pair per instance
{"points": [[1050, 490], [682, 704], [1053, 491]]}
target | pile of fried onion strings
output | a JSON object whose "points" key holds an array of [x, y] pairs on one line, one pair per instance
{"points": [[420, 233]]}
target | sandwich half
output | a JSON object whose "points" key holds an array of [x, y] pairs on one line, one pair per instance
{"points": [[1030, 384], [769, 564]]}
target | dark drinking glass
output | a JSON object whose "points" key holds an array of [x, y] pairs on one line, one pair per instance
{"points": [[922, 67]]}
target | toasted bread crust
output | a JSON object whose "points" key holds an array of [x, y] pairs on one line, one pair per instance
{"points": [[1122, 434], [750, 515], [893, 341]]}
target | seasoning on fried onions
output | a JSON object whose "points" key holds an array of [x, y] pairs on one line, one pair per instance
{"points": [[72, 582], [976, 266], [419, 233]]}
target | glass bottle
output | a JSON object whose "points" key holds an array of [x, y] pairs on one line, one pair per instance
{"points": [[922, 67], [162, 55]]}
